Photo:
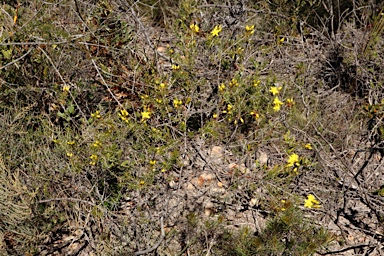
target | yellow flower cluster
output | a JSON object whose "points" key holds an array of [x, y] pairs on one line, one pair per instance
{"points": [[250, 29], [256, 83], [234, 82], [124, 115], [96, 114], [94, 159], [177, 103], [175, 67], [229, 109], [97, 144], [277, 104], [293, 160], [311, 202], [194, 27], [221, 87]]}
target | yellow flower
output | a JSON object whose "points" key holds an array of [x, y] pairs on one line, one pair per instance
{"points": [[69, 154], [241, 120], [66, 88], [159, 101], [308, 146], [277, 104], [152, 162], [275, 90], [97, 144], [195, 28], [214, 115], [71, 142], [311, 202], [217, 29], [177, 103], [229, 108], [175, 67], [96, 114], [256, 83], [290, 102], [145, 115], [221, 87], [124, 112], [250, 29], [94, 157], [124, 115], [293, 160], [255, 114], [234, 82], [162, 85]]}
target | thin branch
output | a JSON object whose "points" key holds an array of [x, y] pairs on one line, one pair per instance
{"points": [[16, 60], [105, 84], [162, 236], [62, 79]]}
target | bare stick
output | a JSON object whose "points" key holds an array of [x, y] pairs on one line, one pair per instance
{"points": [[16, 60], [157, 244], [106, 85]]}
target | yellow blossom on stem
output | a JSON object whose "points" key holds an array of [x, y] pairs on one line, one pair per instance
{"points": [[145, 115], [311, 202], [194, 27], [152, 162], [96, 114], [177, 103], [277, 104], [308, 146], [216, 30], [255, 114], [69, 154], [66, 88], [221, 87], [71, 142], [234, 82], [162, 85], [229, 108], [290, 102], [293, 160], [214, 116], [175, 67], [275, 90], [97, 144], [250, 29], [256, 83], [123, 115]]}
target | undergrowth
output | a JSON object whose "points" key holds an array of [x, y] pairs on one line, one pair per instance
{"points": [[188, 126]]}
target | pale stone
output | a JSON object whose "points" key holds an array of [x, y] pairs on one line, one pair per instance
{"points": [[217, 154], [262, 157]]}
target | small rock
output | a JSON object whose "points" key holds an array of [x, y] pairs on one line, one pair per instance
{"points": [[262, 157], [217, 154]]}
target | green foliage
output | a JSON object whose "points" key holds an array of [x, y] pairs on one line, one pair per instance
{"points": [[287, 233]]}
